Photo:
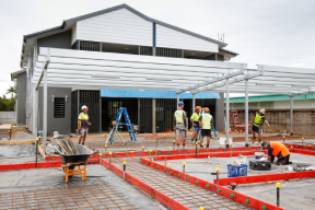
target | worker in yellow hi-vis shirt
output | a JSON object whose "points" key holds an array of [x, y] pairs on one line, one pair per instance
{"points": [[206, 121], [83, 124], [258, 123], [181, 124], [195, 123]]}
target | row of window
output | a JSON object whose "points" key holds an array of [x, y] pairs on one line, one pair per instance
{"points": [[144, 50]]}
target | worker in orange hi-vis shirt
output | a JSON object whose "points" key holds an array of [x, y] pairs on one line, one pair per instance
{"points": [[279, 150]]}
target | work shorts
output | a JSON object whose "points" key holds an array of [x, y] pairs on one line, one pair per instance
{"points": [[180, 133], [196, 126], [206, 133], [256, 129], [83, 131]]}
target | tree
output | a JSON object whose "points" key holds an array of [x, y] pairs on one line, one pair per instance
{"points": [[7, 104], [11, 90]]}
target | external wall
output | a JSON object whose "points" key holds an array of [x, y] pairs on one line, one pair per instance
{"points": [[62, 125], [304, 121], [121, 26], [140, 111], [21, 99], [125, 27], [278, 114], [276, 105], [170, 38], [60, 40]]}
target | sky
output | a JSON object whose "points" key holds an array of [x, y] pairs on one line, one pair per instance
{"points": [[275, 32]]}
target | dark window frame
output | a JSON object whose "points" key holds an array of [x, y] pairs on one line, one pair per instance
{"points": [[59, 107]]}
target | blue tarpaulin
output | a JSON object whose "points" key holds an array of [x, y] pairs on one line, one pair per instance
{"points": [[135, 93]]}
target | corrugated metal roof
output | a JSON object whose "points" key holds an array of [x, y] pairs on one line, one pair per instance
{"points": [[135, 93], [267, 98]]}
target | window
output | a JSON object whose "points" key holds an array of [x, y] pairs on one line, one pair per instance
{"points": [[90, 46], [59, 107], [169, 52], [144, 50]]}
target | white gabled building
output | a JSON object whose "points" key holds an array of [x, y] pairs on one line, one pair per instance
{"points": [[101, 59]]}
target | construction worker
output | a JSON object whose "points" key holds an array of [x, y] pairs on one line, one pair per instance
{"points": [[83, 124], [195, 123], [258, 123], [205, 120], [181, 124], [279, 150]]}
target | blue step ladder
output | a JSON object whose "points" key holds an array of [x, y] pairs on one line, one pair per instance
{"points": [[122, 111]]}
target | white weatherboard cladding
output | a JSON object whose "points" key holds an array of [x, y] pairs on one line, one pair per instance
{"points": [[170, 38], [121, 26]]}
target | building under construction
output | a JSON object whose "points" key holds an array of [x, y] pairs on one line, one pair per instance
{"points": [[124, 32]]}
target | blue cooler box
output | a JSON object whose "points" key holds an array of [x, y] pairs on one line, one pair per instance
{"points": [[237, 170]]}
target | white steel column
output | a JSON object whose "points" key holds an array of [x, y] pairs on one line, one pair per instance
{"points": [[246, 112], [177, 99], [227, 125], [193, 103], [291, 113], [100, 114], [139, 110], [45, 107], [154, 115], [35, 110]]}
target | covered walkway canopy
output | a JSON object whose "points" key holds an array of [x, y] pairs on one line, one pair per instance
{"points": [[96, 70]]}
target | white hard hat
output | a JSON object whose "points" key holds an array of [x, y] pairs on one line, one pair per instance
{"points": [[263, 111], [84, 107]]}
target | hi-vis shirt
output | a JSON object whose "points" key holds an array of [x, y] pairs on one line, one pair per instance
{"points": [[195, 117], [206, 121], [84, 118], [180, 117]]}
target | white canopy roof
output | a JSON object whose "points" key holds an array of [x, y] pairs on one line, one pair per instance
{"points": [[95, 70]]}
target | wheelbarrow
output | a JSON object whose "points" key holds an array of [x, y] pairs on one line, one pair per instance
{"points": [[76, 164]]}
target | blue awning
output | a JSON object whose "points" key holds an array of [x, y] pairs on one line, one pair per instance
{"points": [[135, 93]]}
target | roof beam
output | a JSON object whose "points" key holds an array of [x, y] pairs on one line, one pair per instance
{"points": [[42, 74], [231, 81], [282, 69], [224, 77], [127, 58]]}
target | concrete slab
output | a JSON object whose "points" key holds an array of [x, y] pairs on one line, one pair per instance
{"points": [[45, 189], [294, 194], [17, 153], [202, 168]]}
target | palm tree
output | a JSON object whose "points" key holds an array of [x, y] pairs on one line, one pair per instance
{"points": [[11, 90]]}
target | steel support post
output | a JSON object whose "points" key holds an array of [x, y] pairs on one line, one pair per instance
{"points": [[193, 103], [154, 115], [291, 114], [45, 95], [35, 110], [227, 113], [246, 112]]}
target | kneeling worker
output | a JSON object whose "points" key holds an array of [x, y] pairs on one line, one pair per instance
{"points": [[279, 150]]}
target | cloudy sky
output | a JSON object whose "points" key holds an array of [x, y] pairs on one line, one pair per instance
{"points": [[278, 32]]}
